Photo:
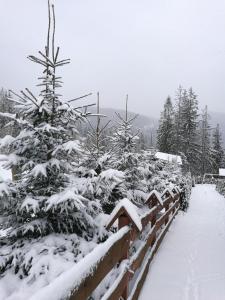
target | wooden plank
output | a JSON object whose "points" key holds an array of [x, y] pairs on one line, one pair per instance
{"points": [[162, 219], [118, 291], [145, 272], [148, 218], [113, 256], [139, 259]]}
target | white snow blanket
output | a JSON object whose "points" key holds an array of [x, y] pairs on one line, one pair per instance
{"points": [[190, 262], [169, 157]]}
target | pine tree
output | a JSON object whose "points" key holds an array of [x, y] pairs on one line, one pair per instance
{"points": [[218, 152], [124, 153], [206, 162], [46, 151], [96, 141], [189, 126], [178, 120], [101, 182], [166, 130]]}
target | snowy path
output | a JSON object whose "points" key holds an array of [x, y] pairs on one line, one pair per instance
{"points": [[190, 264]]}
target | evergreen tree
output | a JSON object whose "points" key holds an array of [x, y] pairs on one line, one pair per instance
{"points": [[206, 162], [46, 151], [189, 126], [165, 133], [99, 180], [178, 120], [125, 157], [218, 152], [96, 141]]}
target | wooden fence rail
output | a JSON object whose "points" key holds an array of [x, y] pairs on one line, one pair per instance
{"points": [[158, 218]]}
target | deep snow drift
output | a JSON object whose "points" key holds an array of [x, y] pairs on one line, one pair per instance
{"points": [[190, 264]]}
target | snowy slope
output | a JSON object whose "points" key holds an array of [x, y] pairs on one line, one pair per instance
{"points": [[190, 264]]}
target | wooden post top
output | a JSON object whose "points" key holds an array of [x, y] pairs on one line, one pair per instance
{"points": [[168, 193], [127, 211], [154, 198]]}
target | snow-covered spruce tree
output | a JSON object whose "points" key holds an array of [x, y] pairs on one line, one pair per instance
{"points": [[178, 121], [166, 130], [206, 161], [46, 150], [123, 143], [189, 125], [218, 153], [100, 181], [95, 145]]}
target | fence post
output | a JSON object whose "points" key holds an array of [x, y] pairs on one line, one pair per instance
{"points": [[125, 217], [154, 199], [167, 206], [124, 220]]}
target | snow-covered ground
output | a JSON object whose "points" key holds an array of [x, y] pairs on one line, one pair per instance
{"points": [[190, 264]]}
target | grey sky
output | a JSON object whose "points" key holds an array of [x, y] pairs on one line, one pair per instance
{"points": [[142, 47]]}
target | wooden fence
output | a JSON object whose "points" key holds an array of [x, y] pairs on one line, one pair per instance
{"points": [[158, 219]]}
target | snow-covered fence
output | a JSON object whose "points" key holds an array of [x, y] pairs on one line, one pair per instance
{"points": [[115, 252]]}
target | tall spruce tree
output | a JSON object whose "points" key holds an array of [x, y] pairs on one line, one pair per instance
{"points": [[218, 152], [166, 130], [206, 161], [46, 151], [189, 126], [178, 120]]}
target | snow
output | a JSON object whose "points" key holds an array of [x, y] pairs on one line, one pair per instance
{"points": [[112, 174], [30, 203], [61, 287], [169, 157], [4, 174], [39, 169], [222, 172], [6, 140], [190, 261], [131, 209], [158, 196]]}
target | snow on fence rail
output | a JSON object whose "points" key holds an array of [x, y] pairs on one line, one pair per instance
{"points": [[80, 282]]}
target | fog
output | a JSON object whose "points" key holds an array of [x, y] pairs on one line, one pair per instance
{"points": [[145, 48]]}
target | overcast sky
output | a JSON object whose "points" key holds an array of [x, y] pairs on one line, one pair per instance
{"points": [[145, 48]]}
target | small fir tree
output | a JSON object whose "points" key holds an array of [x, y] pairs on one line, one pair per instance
{"points": [[124, 155]]}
